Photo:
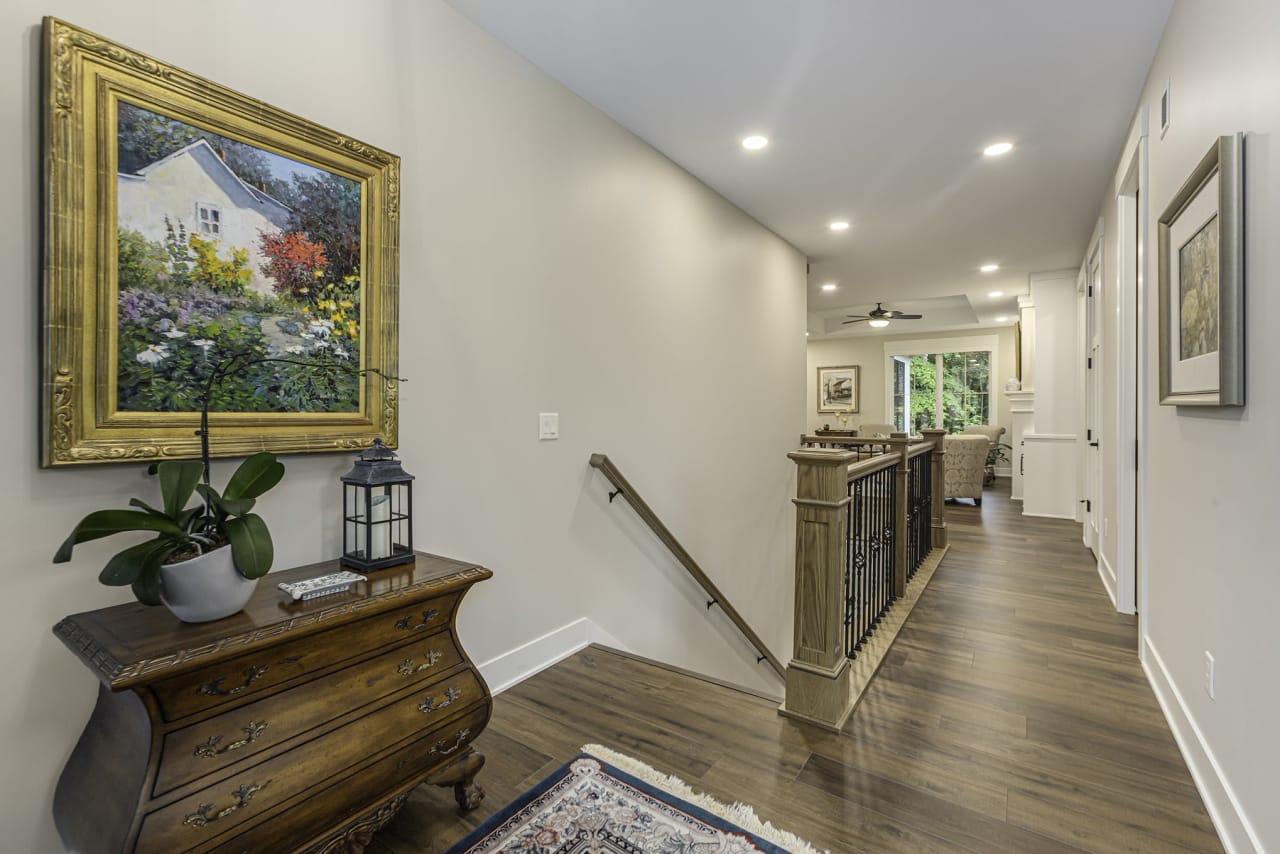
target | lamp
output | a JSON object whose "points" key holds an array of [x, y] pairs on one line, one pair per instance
{"points": [[377, 511], [878, 323]]}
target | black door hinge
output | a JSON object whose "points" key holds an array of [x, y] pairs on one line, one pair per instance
{"points": [[1089, 363], [1135, 454], [1088, 434]]}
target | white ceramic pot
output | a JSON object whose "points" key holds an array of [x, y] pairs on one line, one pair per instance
{"points": [[205, 588]]}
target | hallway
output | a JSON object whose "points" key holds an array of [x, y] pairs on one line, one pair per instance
{"points": [[1011, 715]]}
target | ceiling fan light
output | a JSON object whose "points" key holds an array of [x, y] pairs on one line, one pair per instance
{"points": [[878, 323]]}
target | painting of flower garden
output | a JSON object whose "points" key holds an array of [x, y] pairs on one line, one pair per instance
{"points": [[228, 250]]}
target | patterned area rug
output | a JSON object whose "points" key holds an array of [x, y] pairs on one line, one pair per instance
{"points": [[603, 802]]}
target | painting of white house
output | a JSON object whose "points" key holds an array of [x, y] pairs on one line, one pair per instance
{"points": [[228, 249]]}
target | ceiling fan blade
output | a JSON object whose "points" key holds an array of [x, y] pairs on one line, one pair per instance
{"points": [[901, 316], [855, 320]]}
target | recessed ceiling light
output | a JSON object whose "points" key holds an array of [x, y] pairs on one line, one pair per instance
{"points": [[839, 225], [1001, 319], [755, 142], [996, 294], [998, 148], [879, 323], [829, 286], [989, 268], [806, 335]]}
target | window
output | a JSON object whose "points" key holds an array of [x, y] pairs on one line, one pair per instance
{"points": [[935, 386], [209, 218]]}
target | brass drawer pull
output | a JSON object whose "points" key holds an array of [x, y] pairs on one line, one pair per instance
{"points": [[407, 624], [215, 689], [429, 705], [210, 748], [407, 667], [442, 748], [204, 812]]}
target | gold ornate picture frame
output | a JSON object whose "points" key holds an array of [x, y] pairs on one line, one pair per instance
{"points": [[186, 224]]}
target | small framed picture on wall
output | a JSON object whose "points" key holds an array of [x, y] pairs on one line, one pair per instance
{"points": [[838, 389]]}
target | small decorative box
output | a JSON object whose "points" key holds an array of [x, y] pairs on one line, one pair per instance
{"points": [[324, 585]]}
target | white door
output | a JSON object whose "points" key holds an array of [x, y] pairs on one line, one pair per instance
{"points": [[1093, 401]]}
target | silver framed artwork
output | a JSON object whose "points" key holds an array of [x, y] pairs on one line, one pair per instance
{"points": [[838, 389], [1201, 258]]}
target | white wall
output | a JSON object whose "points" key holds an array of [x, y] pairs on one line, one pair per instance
{"points": [[1212, 580], [550, 262], [868, 351]]}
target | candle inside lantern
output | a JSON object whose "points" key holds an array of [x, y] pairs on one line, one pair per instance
{"points": [[379, 527]]}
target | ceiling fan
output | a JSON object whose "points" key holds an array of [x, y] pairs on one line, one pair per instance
{"points": [[881, 316]]}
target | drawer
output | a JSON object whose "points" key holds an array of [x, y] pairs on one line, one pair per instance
{"points": [[240, 678], [209, 745], [373, 786], [199, 818]]}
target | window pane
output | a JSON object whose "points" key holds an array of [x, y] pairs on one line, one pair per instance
{"points": [[966, 389]]}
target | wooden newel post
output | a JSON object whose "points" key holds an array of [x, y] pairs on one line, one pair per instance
{"points": [[939, 475], [818, 677], [901, 500]]}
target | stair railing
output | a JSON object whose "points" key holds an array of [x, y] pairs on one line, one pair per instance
{"points": [[622, 487], [869, 514]]}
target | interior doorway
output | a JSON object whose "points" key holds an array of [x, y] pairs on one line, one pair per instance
{"points": [[1093, 346]]}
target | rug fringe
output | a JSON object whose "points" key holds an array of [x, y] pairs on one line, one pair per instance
{"points": [[740, 814]]}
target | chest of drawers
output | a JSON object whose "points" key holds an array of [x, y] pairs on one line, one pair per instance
{"points": [[286, 727]]}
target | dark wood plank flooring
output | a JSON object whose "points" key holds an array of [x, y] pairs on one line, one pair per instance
{"points": [[1011, 715]]}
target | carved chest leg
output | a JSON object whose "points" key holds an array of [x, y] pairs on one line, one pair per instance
{"points": [[461, 774]]}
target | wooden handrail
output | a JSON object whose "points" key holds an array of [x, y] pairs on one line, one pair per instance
{"points": [[873, 465], [645, 512]]}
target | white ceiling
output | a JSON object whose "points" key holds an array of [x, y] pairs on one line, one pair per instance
{"points": [[877, 112]]}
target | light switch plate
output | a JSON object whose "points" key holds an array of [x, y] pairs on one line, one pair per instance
{"points": [[548, 425]]}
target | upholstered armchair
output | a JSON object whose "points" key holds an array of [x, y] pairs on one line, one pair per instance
{"points": [[966, 458], [991, 431], [871, 430]]}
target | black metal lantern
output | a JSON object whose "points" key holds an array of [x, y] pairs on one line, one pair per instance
{"points": [[377, 517]]}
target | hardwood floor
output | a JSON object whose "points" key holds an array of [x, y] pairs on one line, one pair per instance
{"points": [[1011, 715]]}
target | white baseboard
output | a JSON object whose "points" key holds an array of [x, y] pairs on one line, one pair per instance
{"points": [[516, 665], [1049, 516], [1234, 830], [1108, 576]]}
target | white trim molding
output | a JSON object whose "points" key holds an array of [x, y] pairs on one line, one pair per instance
{"points": [[516, 665], [1108, 575], [1234, 830], [1132, 224]]}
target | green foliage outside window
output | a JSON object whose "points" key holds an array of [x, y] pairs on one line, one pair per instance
{"points": [[966, 390]]}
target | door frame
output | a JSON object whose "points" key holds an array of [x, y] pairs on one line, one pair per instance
{"points": [[1133, 370], [1091, 285]]}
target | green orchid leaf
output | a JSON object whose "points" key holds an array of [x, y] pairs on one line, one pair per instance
{"points": [[104, 523], [147, 586], [178, 479], [138, 502], [186, 517], [127, 566], [224, 506], [251, 546], [254, 477], [238, 506]]}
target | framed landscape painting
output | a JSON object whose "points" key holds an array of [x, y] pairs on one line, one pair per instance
{"points": [[1201, 257], [838, 389], [202, 245]]}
